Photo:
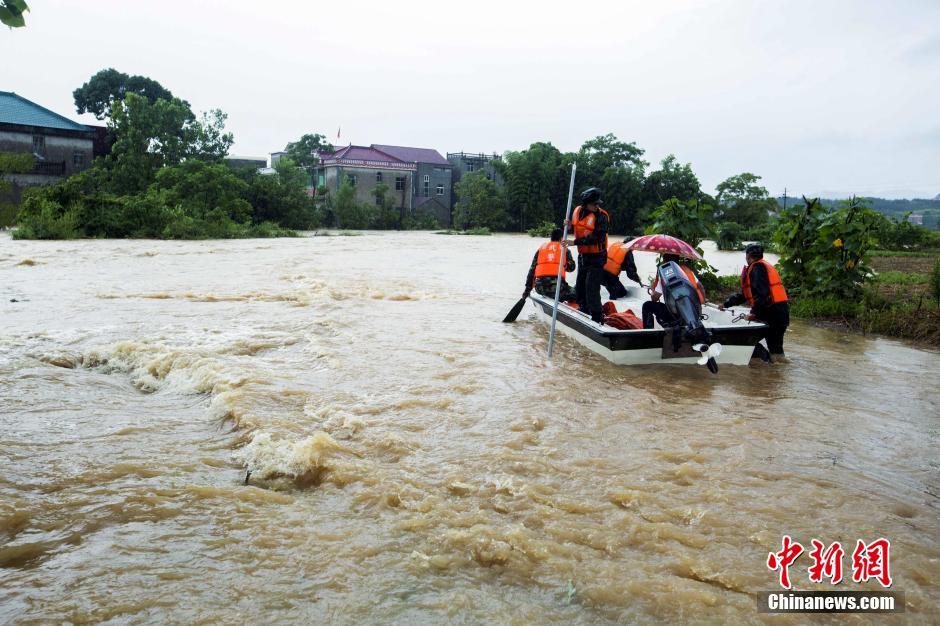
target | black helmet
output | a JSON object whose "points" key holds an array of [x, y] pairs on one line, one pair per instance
{"points": [[591, 195], [755, 250]]}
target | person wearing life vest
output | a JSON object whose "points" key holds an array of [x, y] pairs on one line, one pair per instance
{"points": [[590, 224], [659, 310], [543, 273], [763, 291], [619, 259]]}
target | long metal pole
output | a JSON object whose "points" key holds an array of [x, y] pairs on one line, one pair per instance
{"points": [[561, 262]]}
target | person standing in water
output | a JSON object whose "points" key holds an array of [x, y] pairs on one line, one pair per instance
{"points": [[763, 290]]}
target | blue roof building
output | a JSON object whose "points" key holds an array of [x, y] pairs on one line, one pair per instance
{"points": [[60, 146]]}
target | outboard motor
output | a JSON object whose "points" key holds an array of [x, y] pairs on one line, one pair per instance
{"points": [[681, 298]]}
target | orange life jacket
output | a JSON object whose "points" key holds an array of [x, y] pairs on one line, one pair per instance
{"points": [[584, 226], [777, 292], [547, 262], [692, 279], [616, 253]]}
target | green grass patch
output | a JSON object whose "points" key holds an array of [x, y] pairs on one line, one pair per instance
{"points": [[906, 253], [902, 278]]}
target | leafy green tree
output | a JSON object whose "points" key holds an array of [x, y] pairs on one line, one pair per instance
{"points": [[742, 200], [671, 180], [480, 204], [385, 215], [692, 222], [729, 236], [536, 184], [349, 213], [108, 86], [11, 13], [151, 135], [205, 138], [617, 167], [281, 198], [204, 190], [304, 151]]}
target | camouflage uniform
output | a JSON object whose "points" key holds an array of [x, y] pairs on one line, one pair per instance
{"points": [[546, 287]]}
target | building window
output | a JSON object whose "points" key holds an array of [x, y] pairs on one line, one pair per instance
{"points": [[470, 166], [378, 177], [78, 159], [427, 188], [427, 178], [39, 144], [488, 177], [399, 183], [440, 190], [353, 179], [378, 201]]}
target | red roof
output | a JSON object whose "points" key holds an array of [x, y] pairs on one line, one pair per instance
{"points": [[367, 156], [413, 155]]}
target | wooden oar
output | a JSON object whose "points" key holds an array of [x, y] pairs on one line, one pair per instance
{"points": [[514, 311]]}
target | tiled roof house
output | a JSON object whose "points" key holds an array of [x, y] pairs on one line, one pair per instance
{"points": [[413, 175]]}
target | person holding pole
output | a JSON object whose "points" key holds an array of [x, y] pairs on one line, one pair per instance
{"points": [[591, 224]]}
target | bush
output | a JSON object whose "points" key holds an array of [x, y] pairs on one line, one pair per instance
{"points": [[542, 230], [825, 250], [422, 221], [729, 236], [45, 219], [935, 282]]}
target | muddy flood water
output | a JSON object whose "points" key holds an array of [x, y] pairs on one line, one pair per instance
{"points": [[414, 459]]}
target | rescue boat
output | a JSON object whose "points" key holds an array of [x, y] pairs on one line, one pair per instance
{"points": [[702, 335]]}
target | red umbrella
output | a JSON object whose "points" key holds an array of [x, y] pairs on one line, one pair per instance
{"points": [[664, 244]]}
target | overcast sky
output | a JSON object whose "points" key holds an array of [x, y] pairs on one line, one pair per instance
{"points": [[821, 97]]}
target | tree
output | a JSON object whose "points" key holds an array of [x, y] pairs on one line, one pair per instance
{"points": [[108, 86], [150, 135], [671, 180], [691, 222], [481, 204], [618, 169], [743, 201], [281, 198], [304, 151], [206, 138], [386, 216], [536, 184], [11, 13], [348, 211]]}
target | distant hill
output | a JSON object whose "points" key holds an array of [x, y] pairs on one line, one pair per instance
{"points": [[930, 209]]}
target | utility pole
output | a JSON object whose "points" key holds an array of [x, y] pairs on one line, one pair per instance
{"points": [[784, 198]]}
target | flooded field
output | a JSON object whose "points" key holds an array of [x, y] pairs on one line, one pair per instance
{"points": [[411, 457]]}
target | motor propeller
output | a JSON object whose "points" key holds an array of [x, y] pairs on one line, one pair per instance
{"points": [[710, 353]]}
